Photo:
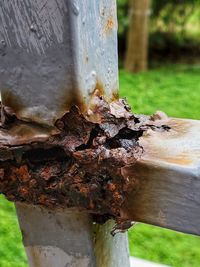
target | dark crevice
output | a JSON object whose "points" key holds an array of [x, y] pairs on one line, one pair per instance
{"points": [[44, 155], [94, 133]]}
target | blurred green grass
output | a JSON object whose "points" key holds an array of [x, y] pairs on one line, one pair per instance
{"points": [[11, 250], [174, 89]]}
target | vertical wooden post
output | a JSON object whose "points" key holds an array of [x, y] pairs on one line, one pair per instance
{"points": [[137, 41], [56, 53]]}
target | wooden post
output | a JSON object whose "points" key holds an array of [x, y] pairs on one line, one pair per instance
{"points": [[137, 40]]}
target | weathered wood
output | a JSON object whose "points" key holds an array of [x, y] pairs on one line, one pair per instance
{"points": [[137, 39], [167, 178]]}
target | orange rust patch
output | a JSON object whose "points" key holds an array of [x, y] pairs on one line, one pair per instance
{"points": [[111, 187], [84, 190], [23, 191], [21, 174], [109, 25], [99, 87], [182, 159]]}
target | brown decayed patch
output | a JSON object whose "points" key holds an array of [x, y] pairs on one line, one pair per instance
{"points": [[78, 166]]}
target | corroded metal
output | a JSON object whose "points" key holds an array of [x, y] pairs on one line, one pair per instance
{"points": [[65, 142], [81, 164], [53, 55], [113, 165]]}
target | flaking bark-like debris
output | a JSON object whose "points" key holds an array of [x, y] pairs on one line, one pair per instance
{"points": [[79, 164]]}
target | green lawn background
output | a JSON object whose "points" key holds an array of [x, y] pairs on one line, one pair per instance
{"points": [[175, 90]]}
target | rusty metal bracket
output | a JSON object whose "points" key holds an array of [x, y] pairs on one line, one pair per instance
{"points": [[81, 164], [141, 168]]}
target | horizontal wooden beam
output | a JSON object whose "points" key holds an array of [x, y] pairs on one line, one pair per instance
{"points": [[166, 180]]}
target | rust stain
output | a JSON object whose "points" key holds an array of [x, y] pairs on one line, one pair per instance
{"points": [[74, 98], [13, 107], [78, 166], [179, 127], [115, 95], [181, 159], [164, 147], [99, 86], [109, 25], [161, 155], [9, 99]]}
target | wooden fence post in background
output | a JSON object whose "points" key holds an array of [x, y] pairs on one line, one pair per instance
{"points": [[136, 59]]}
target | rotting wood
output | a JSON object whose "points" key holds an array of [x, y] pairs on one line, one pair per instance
{"points": [[137, 42]]}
